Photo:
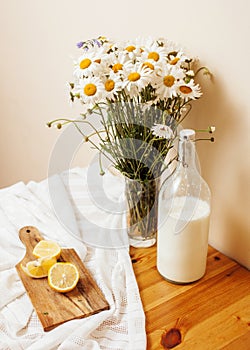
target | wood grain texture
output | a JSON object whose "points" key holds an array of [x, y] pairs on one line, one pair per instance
{"points": [[55, 308], [213, 313]]}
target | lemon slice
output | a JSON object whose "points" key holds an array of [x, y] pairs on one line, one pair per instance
{"points": [[39, 268], [63, 277], [47, 248]]}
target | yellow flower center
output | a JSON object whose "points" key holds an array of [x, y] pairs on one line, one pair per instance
{"points": [[168, 80], [85, 63], [174, 61], [130, 48], [153, 56], [109, 85], [90, 89], [134, 76], [149, 65], [116, 67], [185, 89]]}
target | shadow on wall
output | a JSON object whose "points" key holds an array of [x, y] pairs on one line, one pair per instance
{"points": [[226, 166]]}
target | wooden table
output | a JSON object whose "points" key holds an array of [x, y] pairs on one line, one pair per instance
{"points": [[213, 313]]}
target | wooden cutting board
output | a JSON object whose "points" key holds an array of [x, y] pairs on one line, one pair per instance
{"points": [[55, 308]]}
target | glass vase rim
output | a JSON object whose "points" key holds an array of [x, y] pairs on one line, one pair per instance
{"points": [[113, 171]]}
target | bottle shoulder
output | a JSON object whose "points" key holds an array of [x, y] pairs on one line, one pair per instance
{"points": [[186, 182]]}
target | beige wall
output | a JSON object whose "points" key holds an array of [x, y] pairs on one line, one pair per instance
{"points": [[37, 39]]}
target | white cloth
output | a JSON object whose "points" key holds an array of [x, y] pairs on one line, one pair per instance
{"points": [[70, 209]]}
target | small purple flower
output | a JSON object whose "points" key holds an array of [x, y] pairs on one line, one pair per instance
{"points": [[97, 42], [80, 44]]}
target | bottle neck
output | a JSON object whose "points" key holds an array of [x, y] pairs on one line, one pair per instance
{"points": [[186, 157]]}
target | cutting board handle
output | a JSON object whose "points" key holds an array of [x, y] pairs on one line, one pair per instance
{"points": [[30, 236]]}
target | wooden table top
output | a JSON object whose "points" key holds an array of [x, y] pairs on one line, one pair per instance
{"points": [[213, 313]]}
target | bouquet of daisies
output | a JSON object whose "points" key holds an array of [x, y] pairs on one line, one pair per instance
{"points": [[141, 91]]}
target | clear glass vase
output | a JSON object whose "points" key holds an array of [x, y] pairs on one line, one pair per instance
{"points": [[142, 211]]}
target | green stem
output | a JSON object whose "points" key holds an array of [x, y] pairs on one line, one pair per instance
{"points": [[205, 69]]}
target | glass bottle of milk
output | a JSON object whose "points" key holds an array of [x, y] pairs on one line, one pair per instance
{"points": [[184, 212]]}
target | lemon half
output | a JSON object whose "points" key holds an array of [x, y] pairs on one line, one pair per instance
{"points": [[63, 277], [47, 248], [39, 268]]}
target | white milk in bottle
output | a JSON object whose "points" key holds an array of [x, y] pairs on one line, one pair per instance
{"points": [[183, 239]]}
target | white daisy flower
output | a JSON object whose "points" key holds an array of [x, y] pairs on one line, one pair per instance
{"points": [[118, 61], [154, 66], [176, 58], [136, 78], [89, 63], [162, 131], [132, 50], [112, 85], [91, 91], [154, 52], [189, 91], [166, 84]]}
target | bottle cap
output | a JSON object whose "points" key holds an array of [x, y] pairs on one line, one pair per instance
{"points": [[187, 134]]}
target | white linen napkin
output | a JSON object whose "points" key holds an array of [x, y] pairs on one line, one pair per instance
{"points": [[64, 218]]}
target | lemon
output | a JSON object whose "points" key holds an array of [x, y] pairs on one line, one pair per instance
{"points": [[39, 268], [63, 277], [47, 248]]}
